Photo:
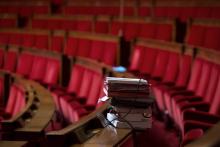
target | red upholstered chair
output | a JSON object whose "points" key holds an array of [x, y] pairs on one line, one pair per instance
{"points": [[192, 85], [4, 38], [57, 43], [186, 13], [204, 95], [81, 95], [168, 79], [136, 58], [160, 11], [147, 30], [26, 11], [110, 53], [9, 109], [164, 32], [8, 22], [193, 119], [28, 40], [10, 61], [212, 36], [1, 58], [19, 101], [84, 47], [38, 23], [68, 25], [160, 66], [15, 39], [38, 68], [181, 82], [52, 72], [117, 28], [196, 35], [76, 110], [71, 46], [143, 11], [41, 41], [179, 101], [15, 103], [102, 27], [215, 12], [84, 25], [24, 64], [73, 86], [203, 12], [148, 64], [54, 24], [41, 9], [131, 30], [96, 51]]}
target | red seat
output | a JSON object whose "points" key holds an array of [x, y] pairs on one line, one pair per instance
{"points": [[57, 42], [143, 11], [96, 51], [136, 58], [196, 35], [73, 86], [102, 27], [28, 40], [117, 28], [131, 30], [71, 46], [38, 68], [192, 85], [168, 79], [41, 41], [24, 65], [84, 47], [147, 30], [110, 53], [10, 61], [1, 58], [164, 32], [52, 72], [148, 63], [212, 36], [84, 26]]}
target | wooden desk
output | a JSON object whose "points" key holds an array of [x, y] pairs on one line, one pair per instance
{"points": [[12, 143], [107, 137]]}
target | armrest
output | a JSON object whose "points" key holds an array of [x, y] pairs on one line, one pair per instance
{"points": [[192, 135], [188, 98], [193, 124], [180, 92], [200, 116], [202, 106]]}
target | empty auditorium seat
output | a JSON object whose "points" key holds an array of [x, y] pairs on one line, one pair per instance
{"points": [[24, 65], [10, 60]]}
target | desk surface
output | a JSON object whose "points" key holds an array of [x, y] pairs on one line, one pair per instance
{"points": [[108, 136], [12, 143]]}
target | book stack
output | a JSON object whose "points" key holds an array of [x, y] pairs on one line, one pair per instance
{"points": [[131, 102]]}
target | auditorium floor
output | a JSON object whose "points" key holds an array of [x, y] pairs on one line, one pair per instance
{"points": [[157, 136]]}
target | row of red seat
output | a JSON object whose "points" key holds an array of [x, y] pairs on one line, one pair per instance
{"points": [[25, 8], [131, 28], [82, 93], [181, 85], [43, 69], [181, 12], [103, 48], [16, 101]]}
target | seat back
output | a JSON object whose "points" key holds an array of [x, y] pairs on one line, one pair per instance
{"points": [[24, 65], [195, 74], [10, 61], [38, 69], [75, 79], [52, 72]]}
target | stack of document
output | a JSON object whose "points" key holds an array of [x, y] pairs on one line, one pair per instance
{"points": [[131, 102]]}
